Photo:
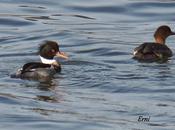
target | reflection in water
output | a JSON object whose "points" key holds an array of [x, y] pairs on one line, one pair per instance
{"points": [[47, 85], [44, 111], [47, 98], [163, 71], [50, 86], [49, 91]]}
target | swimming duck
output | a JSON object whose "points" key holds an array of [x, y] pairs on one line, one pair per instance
{"points": [[155, 51], [47, 67]]}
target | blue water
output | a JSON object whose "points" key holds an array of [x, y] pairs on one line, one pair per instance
{"points": [[101, 87]]}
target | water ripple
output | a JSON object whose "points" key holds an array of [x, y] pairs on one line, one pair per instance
{"points": [[14, 22], [74, 15], [100, 9], [149, 5]]}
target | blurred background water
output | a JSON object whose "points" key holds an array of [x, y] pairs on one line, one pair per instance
{"points": [[101, 87]]}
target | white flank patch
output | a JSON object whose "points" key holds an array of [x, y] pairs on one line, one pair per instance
{"points": [[134, 53]]}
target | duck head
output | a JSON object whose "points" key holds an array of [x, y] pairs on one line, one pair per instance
{"points": [[48, 50], [162, 33]]}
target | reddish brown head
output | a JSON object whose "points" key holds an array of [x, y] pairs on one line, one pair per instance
{"points": [[162, 33]]}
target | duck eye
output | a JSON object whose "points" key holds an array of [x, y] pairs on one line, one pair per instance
{"points": [[53, 51]]}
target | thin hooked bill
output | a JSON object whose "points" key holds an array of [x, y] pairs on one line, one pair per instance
{"points": [[172, 33], [62, 55]]}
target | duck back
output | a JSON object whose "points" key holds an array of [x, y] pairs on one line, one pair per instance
{"points": [[152, 52], [36, 71]]}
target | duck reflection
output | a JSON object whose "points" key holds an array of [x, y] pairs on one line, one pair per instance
{"points": [[157, 72], [47, 85], [49, 91]]}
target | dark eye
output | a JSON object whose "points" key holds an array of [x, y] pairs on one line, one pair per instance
{"points": [[53, 51]]}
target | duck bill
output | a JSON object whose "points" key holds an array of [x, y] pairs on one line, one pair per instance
{"points": [[62, 55], [172, 33]]}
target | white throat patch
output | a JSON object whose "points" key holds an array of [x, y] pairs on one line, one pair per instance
{"points": [[47, 61]]}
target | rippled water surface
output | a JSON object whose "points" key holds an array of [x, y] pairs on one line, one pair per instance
{"points": [[101, 87]]}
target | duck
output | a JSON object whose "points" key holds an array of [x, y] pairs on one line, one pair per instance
{"points": [[47, 68], [155, 51]]}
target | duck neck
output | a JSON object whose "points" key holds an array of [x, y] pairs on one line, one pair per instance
{"points": [[160, 40]]}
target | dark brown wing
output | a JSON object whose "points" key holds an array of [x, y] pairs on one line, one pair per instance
{"points": [[34, 65], [154, 48]]}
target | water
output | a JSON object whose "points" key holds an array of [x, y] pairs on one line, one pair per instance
{"points": [[101, 87]]}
